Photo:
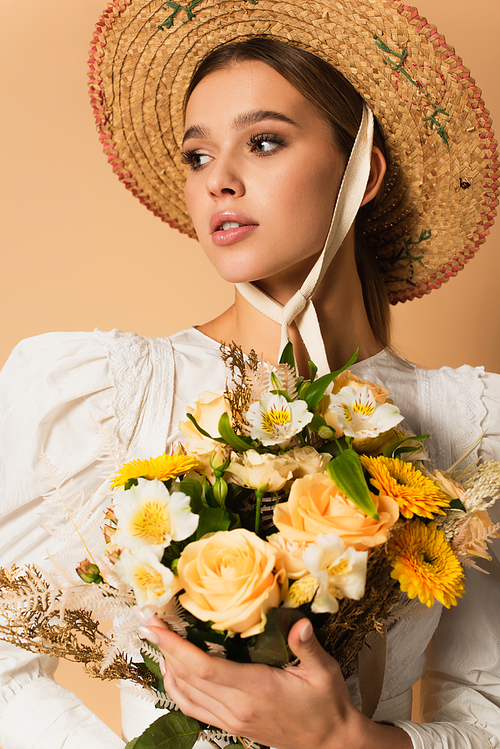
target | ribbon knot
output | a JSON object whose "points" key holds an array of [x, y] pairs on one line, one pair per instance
{"points": [[300, 307]]}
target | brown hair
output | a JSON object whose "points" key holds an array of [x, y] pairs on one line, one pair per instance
{"points": [[342, 107]]}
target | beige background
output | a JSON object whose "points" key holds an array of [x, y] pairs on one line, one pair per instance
{"points": [[78, 251]]}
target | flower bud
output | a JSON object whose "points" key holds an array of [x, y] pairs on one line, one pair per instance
{"points": [[326, 433], [113, 553], [219, 461], [220, 491], [89, 572], [110, 515], [108, 532]]}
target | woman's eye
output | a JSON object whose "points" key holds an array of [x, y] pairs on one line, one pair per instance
{"points": [[265, 143], [265, 146], [194, 159]]}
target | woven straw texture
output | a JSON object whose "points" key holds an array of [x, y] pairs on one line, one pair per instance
{"points": [[434, 215]]}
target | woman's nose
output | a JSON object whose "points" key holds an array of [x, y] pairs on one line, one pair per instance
{"points": [[224, 179]]}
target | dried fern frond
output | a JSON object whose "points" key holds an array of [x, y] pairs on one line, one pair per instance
{"points": [[238, 394], [69, 517], [472, 539], [482, 489], [33, 619], [261, 382], [114, 454]]}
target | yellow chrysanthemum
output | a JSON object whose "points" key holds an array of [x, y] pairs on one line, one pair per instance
{"points": [[414, 492], [162, 468], [425, 565]]}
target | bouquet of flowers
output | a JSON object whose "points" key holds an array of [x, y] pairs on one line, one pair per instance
{"points": [[287, 498]]}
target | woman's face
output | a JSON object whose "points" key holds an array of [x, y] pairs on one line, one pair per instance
{"points": [[263, 173]]}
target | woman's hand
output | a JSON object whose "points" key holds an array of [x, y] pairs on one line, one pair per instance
{"points": [[301, 707]]}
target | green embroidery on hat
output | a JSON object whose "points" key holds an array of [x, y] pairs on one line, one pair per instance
{"points": [[405, 253], [432, 123], [397, 66], [176, 8]]}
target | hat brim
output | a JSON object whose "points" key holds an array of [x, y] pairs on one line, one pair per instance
{"points": [[442, 185]]}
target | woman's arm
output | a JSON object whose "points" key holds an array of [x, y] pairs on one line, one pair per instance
{"points": [[50, 389]]}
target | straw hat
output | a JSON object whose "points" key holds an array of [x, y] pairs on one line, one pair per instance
{"points": [[431, 220]]}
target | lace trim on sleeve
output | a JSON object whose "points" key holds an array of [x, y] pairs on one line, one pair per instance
{"points": [[452, 411], [141, 369]]}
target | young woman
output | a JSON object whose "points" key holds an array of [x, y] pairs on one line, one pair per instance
{"points": [[294, 203]]}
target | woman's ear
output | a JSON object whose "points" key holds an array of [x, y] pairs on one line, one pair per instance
{"points": [[377, 170]]}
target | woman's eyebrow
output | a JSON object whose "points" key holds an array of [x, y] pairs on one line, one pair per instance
{"points": [[257, 115], [240, 122]]}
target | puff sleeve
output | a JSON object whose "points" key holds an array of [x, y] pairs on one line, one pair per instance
{"points": [[461, 684], [52, 389]]}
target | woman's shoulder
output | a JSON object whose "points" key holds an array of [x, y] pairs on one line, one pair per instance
{"points": [[56, 385], [457, 406]]}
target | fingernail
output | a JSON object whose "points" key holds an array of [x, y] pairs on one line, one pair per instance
{"points": [[306, 632], [148, 634], [163, 667], [139, 616]]}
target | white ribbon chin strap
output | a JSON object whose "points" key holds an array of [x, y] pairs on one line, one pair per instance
{"points": [[300, 307]]}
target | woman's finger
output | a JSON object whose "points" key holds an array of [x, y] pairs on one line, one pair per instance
{"points": [[191, 661], [314, 660]]}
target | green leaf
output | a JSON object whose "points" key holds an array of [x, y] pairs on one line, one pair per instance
{"points": [[287, 356], [346, 472], [194, 491], [303, 389], [202, 431], [271, 647], [283, 393], [154, 668], [212, 519], [457, 505], [172, 731], [389, 451], [316, 422], [237, 442], [317, 388], [335, 447], [132, 743], [130, 483], [314, 370], [152, 665]]}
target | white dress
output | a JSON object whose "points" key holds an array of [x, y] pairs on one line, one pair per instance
{"points": [[139, 388]]}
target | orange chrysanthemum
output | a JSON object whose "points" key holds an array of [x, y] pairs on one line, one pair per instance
{"points": [[425, 565], [414, 492], [163, 467]]}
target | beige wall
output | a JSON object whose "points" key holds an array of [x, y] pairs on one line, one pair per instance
{"points": [[78, 251]]}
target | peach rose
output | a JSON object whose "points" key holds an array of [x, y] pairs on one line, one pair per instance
{"points": [[447, 484], [264, 472], [308, 460], [232, 578], [207, 411], [316, 505], [347, 378], [291, 552]]}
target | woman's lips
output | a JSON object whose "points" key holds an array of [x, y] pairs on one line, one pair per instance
{"points": [[228, 236]]}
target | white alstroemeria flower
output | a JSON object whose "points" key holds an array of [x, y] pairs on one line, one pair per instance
{"points": [[340, 574], [359, 414], [153, 583], [275, 421], [152, 516]]}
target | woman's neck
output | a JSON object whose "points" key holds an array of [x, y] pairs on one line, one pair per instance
{"points": [[339, 306]]}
